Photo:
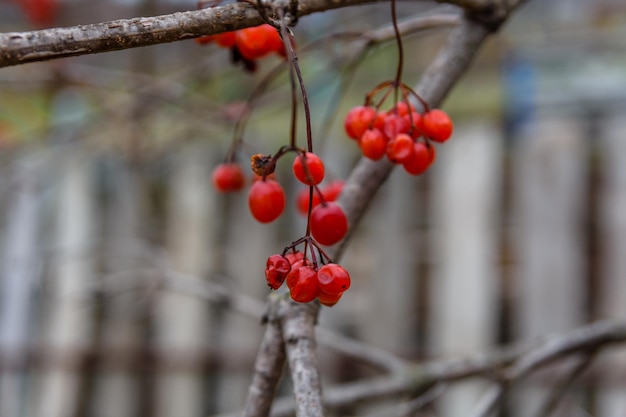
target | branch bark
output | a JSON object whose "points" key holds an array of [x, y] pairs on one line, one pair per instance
{"points": [[42, 45], [268, 366], [298, 328]]}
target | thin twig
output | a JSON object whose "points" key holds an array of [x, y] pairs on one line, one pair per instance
{"points": [[581, 365]]}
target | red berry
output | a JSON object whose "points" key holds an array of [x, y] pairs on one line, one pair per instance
{"points": [[332, 191], [333, 279], [302, 200], [358, 120], [266, 200], [395, 124], [437, 125], [402, 108], [276, 269], [252, 43], [373, 144], [274, 41], [302, 283], [415, 122], [294, 257], [228, 177], [420, 161], [314, 166], [328, 300], [400, 149], [329, 223], [226, 39]]}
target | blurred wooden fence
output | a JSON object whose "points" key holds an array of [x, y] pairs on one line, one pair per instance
{"points": [[504, 240]]}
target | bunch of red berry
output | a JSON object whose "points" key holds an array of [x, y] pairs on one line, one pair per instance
{"points": [[305, 279], [266, 198], [402, 134], [249, 44]]}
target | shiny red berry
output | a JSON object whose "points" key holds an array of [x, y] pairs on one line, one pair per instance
{"points": [[303, 284], [228, 177], [226, 39], [400, 149], [333, 279], [294, 257], [253, 42], [276, 269], [395, 124], [266, 200], [302, 200], [328, 300], [358, 120], [373, 144], [314, 172], [328, 223], [402, 108], [332, 191], [437, 125], [420, 161]]}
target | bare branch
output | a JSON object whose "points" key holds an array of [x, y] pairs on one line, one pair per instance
{"points": [[268, 367], [519, 360], [298, 326], [42, 45]]}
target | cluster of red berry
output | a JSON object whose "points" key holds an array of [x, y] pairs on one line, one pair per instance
{"points": [[401, 134], [249, 44], [327, 223], [305, 280]]}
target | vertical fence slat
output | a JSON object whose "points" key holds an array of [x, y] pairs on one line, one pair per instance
{"points": [[68, 322], [466, 192], [21, 268], [117, 385], [248, 245], [550, 192], [611, 398], [182, 322], [387, 268]]}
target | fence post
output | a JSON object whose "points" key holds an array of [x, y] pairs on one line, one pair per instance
{"points": [[21, 269], [68, 322], [117, 388], [611, 398], [550, 188], [466, 192], [182, 323]]}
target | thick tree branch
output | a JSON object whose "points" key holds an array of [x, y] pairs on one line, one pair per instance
{"points": [[268, 366], [298, 326], [512, 363], [42, 45]]}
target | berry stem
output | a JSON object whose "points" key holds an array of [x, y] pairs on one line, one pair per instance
{"points": [[294, 108], [292, 57], [396, 32]]}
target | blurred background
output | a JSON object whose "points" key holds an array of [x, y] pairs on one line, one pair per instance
{"points": [[117, 255]]}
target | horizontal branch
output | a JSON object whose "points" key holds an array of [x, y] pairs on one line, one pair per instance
{"points": [[515, 362], [42, 45]]}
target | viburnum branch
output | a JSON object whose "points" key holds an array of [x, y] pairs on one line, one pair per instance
{"points": [[268, 366], [514, 361], [582, 364], [298, 328], [47, 44]]}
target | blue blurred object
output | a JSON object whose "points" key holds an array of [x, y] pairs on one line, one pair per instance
{"points": [[519, 92]]}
